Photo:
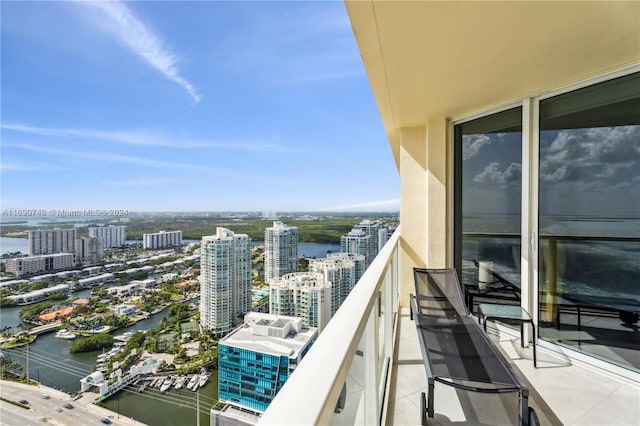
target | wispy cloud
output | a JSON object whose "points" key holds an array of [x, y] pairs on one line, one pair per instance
{"points": [[134, 34], [8, 167], [370, 205], [142, 138], [99, 157], [144, 181]]}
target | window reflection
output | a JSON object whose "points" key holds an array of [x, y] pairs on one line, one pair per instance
{"points": [[589, 220], [489, 187]]}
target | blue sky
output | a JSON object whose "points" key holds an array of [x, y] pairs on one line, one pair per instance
{"points": [[176, 106]]}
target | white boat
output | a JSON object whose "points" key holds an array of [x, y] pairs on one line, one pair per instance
{"points": [[123, 337], [166, 384], [193, 382], [64, 334], [203, 380], [180, 382]]}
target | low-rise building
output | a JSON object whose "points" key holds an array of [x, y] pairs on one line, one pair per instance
{"points": [[37, 295], [20, 266], [125, 310], [96, 280]]}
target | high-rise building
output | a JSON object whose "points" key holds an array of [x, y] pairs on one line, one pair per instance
{"points": [[255, 360], [383, 236], [114, 236], [51, 241], [342, 270], [304, 295], [225, 280], [280, 250], [162, 239], [90, 249], [362, 239], [356, 242]]}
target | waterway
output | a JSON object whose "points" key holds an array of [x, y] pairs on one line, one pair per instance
{"points": [[11, 244], [51, 363], [317, 250]]}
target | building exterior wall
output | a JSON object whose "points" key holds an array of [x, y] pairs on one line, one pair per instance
{"points": [[30, 265], [162, 240], [342, 270], [256, 360], [51, 241], [114, 236], [280, 250], [304, 295], [225, 280], [90, 249]]}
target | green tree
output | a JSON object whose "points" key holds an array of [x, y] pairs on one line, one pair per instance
{"points": [[8, 367], [31, 312], [88, 344], [39, 285]]}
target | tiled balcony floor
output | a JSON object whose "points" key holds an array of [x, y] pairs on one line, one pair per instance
{"points": [[560, 392]]}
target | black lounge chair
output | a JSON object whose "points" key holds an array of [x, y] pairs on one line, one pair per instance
{"points": [[456, 350]]}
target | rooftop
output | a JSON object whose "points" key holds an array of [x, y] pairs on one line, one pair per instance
{"points": [[271, 334]]}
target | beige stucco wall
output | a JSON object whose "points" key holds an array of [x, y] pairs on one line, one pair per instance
{"points": [[424, 204]]}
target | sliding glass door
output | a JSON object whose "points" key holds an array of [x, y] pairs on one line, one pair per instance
{"points": [[589, 220], [489, 191], [579, 216]]}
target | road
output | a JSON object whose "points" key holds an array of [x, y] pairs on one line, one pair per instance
{"points": [[43, 410]]}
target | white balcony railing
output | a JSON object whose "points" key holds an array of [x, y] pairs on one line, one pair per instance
{"points": [[344, 377]]}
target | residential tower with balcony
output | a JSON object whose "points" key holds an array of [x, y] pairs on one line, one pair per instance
{"points": [[51, 241], [114, 235], [225, 280], [280, 250], [305, 295], [162, 239]]}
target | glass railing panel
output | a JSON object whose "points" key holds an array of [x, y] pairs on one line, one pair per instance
{"points": [[380, 329], [350, 407]]}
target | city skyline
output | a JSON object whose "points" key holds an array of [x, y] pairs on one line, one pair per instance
{"points": [[205, 106]]}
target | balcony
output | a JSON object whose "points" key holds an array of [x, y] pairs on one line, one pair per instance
{"points": [[366, 368]]}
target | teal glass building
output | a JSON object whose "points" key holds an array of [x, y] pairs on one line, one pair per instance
{"points": [[256, 359]]}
